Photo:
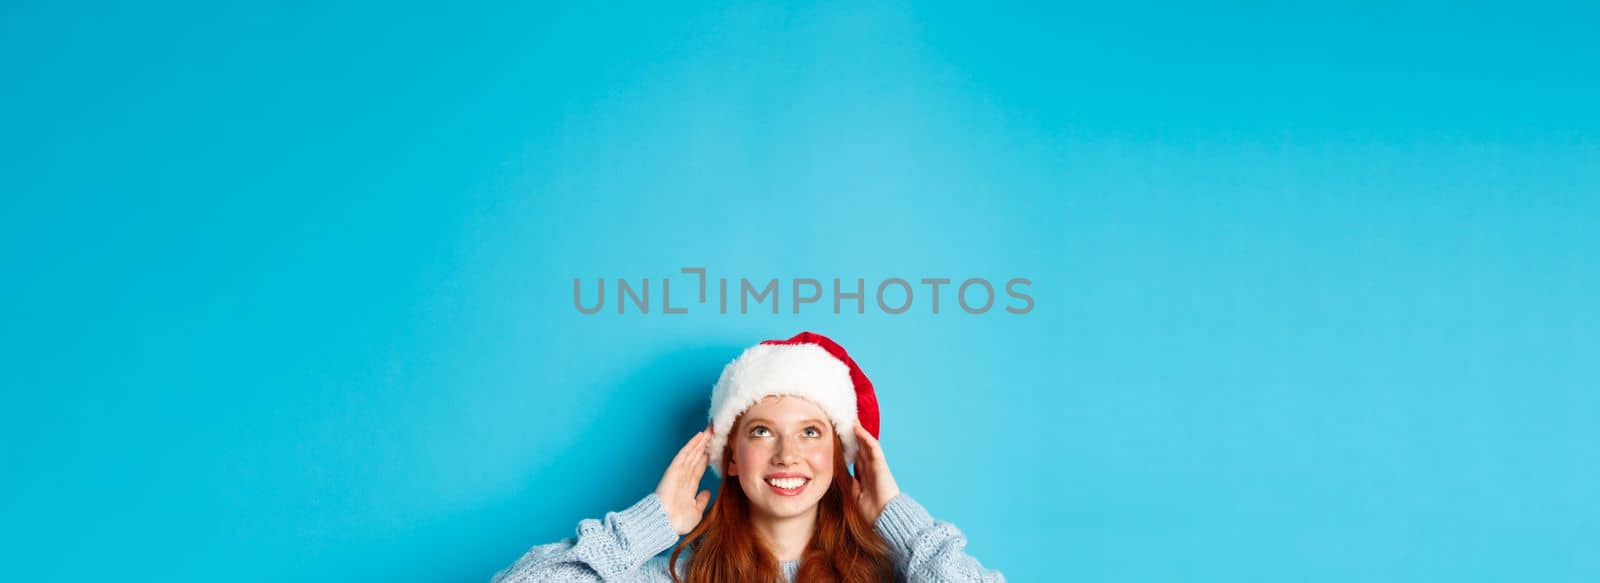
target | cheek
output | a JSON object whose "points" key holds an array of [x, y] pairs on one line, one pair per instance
{"points": [[750, 454], [748, 450], [821, 462]]}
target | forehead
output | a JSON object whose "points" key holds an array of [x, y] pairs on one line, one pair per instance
{"points": [[785, 408]]}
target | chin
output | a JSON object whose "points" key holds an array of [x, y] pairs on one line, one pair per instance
{"points": [[784, 510], [787, 508]]}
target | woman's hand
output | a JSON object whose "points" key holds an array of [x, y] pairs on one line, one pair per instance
{"points": [[681, 479], [874, 486]]}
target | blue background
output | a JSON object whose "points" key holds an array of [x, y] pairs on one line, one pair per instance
{"points": [[287, 287]]}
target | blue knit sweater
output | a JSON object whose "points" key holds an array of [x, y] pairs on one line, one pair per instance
{"points": [[624, 547]]}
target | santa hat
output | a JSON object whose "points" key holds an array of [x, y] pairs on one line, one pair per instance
{"points": [[809, 365]]}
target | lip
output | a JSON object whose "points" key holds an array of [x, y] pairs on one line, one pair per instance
{"points": [[786, 491]]}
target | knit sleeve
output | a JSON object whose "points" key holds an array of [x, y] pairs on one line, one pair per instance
{"points": [[926, 550], [619, 548]]}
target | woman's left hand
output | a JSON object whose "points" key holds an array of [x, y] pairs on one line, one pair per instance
{"points": [[874, 485]]}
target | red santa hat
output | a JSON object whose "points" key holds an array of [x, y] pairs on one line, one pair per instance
{"points": [[809, 365]]}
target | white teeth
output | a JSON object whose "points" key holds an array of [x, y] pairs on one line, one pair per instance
{"points": [[787, 483]]}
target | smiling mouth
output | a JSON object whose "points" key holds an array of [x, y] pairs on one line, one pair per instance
{"points": [[788, 486]]}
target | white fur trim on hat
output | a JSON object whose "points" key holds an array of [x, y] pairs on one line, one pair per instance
{"points": [[801, 370]]}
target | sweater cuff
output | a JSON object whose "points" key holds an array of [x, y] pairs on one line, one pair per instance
{"points": [[900, 522], [646, 529]]}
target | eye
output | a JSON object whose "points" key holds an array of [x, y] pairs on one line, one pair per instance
{"points": [[760, 431], [813, 432]]}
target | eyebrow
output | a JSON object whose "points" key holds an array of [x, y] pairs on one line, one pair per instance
{"points": [[771, 422]]}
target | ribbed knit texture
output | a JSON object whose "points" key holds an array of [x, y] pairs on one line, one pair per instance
{"points": [[623, 547]]}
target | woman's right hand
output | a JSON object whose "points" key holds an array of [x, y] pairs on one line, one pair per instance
{"points": [[682, 478]]}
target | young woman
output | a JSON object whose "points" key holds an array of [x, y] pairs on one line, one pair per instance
{"points": [[786, 415]]}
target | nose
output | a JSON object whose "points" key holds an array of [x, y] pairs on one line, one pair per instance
{"points": [[786, 453]]}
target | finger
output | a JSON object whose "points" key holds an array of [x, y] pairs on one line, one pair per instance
{"points": [[869, 469], [697, 470], [702, 457], [865, 454], [702, 499], [871, 447], [683, 473], [680, 470], [867, 439], [688, 446], [702, 450], [694, 464], [693, 444], [696, 446]]}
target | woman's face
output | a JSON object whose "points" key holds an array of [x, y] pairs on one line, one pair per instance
{"points": [[783, 456]]}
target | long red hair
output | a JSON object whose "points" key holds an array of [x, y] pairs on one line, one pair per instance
{"points": [[843, 548]]}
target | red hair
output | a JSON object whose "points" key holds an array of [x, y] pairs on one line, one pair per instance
{"points": [[843, 547]]}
